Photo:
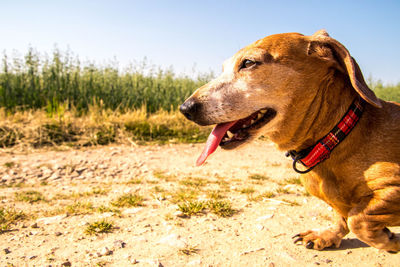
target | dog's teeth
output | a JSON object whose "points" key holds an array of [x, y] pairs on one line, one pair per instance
{"points": [[259, 116], [252, 121], [263, 111], [230, 135]]}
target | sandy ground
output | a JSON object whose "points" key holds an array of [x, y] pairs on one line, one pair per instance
{"points": [[155, 234]]}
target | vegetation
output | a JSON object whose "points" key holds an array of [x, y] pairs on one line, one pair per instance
{"points": [[98, 227], [30, 196], [62, 82], [58, 100], [128, 200], [8, 217], [390, 92]]}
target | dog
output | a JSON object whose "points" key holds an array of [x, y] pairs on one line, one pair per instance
{"points": [[308, 96]]}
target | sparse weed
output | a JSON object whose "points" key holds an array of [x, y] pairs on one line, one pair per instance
{"points": [[79, 208], [221, 208], [291, 202], [103, 209], [282, 190], [162, 175], [195, 182], [135, 181], [248, 190], [9, 164], [293, 180], [168, 217], [8, 217], [30, 196], [98, 227], [158, 189], [266, 194], [128, 200], [183, 195], [259, 177], [215, 194], [189, 250], [192, 207]]}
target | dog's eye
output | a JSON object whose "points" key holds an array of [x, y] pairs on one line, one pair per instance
{"points": [[247, 63]]}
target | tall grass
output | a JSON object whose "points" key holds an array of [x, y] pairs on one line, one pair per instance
{"points": [[61, 81], [57, 99], [390, 92]]}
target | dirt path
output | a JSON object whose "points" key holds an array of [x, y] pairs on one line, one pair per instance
{"points": [[76, 188]]}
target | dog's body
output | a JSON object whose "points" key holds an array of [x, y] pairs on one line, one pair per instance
{"points": [[307, 84]]}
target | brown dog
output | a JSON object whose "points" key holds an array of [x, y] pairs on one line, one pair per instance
{"points": [[294, 89]]}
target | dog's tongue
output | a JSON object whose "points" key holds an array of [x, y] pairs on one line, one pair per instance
{"points": [[213, 140]]}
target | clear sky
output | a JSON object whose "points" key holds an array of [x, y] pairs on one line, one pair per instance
{"points": [[184, 33]]}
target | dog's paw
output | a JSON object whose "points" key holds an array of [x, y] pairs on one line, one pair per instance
{"points": [[315, 239]]}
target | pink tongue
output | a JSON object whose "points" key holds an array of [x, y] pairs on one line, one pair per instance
{"points": [[213, 140]]}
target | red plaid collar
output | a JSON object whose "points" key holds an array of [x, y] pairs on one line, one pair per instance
{"points": [[313, 155]]}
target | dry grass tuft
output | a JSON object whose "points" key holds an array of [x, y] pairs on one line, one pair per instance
{"points": [[98, 227], [32, 129], [8, 217], [128, 200]]}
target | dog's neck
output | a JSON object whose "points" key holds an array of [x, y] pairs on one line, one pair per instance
{"points": [[316, 116]]}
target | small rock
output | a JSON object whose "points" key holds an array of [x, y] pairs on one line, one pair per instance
{"points": [[66, 263], [131, 211], [328, 261], [194, 263], [119, 244], [265, 217], [173, 240], [107, 214], [34, 225], [57, 233], [317, 263], [259, 227], [104, 252], [49, 220], [6, 251], [32, 257], [291, 188]]}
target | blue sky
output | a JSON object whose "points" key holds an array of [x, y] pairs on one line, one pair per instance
{"points": [[201, 33]]}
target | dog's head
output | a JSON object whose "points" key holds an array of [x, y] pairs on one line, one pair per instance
{"points": [[262, 82]]}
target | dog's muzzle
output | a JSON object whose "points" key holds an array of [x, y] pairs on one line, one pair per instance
{"points": [[191, 109]]}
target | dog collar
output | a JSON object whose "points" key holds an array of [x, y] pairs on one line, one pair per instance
{"points": [[314, 155]]}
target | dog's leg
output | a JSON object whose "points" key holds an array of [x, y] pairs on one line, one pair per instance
{"points": [[370, 227], [320, 239]]}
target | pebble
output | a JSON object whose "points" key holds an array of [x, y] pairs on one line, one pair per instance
{"points": [[32, 257], [49, 220], [173, 240], [104, 252], [259, 227], [57, 233], [265, 217], [131, 211], [119, 244], [34, 225], [6, 251], [66, 263], [194, 263]]}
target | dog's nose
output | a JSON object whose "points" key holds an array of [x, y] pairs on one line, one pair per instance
{"points": [[190, 108]]}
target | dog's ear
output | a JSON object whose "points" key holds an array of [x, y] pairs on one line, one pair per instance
{"points": [[327, 48]]}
